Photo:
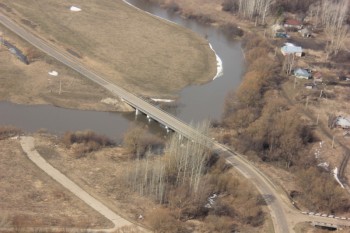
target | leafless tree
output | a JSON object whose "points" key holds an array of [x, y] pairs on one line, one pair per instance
{"points": [[183, 163], [331, 15], [288, 63], [255, 9]]}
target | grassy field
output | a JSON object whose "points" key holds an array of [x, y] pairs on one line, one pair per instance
{"points": [[141, 53]]}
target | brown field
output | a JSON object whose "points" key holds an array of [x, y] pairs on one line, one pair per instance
{"points": [[136, 51], [31, 84], [29, 197]]}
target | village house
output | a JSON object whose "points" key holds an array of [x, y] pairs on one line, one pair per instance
{"points": [[293, 24], [301, 73], [289, 49]]}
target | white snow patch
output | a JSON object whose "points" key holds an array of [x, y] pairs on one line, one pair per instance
{"points": [[162, 100], [219, 67], [324, 165], [75, 9], [318, 151], [211, 200], [335, 174], [53, 73]]}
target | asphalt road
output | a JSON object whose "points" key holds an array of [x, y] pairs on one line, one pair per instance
{"points": [[278, 207]]}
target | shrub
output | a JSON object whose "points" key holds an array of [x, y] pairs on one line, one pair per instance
{"points": [[229, 6], [320, 192], [232, 30], [173, 7], [85, 142], [163, 222], [8, 131], [220, 224], [137, 141]]}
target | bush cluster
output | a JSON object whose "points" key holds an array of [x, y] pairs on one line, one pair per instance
{"points": [[84, 142]]}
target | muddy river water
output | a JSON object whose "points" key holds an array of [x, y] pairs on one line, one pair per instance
{"points": [[195, 103]]}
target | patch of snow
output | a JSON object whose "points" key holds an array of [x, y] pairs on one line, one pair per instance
{"points": [[324, 165], [211, 200], [318, 151], [162, 100], [219, 67], [53, 73], [74, 9], [289, 44], [335, 174]]}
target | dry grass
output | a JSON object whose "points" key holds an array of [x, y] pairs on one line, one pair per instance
{"points": [[30, 195], [137, 51], [31, 84]]}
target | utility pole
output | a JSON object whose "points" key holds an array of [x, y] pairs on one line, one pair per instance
{"points": [[60, 87], [318, 117], [333, 141], [307, 102]]}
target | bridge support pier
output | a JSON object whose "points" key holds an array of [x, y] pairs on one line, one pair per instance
{"points": [[167, 129]]}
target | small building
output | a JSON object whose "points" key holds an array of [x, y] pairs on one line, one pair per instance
{"points": [[289, 49], [301, 73], [293, 23], [305, 32]]}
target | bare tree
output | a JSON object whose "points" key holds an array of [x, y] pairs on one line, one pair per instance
{"points": [[331, 14], [288, 63], [183, 164], [255, 9]]}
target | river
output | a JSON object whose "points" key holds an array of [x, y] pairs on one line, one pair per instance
{"points": [[195, 104]]}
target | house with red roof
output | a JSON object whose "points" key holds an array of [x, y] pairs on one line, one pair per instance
{"points": [[293, 23]]}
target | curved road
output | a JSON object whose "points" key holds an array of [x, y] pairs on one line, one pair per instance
{"points": [[278, 207]]}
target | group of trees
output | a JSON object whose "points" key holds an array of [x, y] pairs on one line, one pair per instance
{"points": [[332, 15], [265, 124], [83, 142], [250, 9], [183, 164], [182, 180], [321, 192]]}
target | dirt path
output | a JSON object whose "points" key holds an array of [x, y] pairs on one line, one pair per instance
{"points": [[27, 144]]}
